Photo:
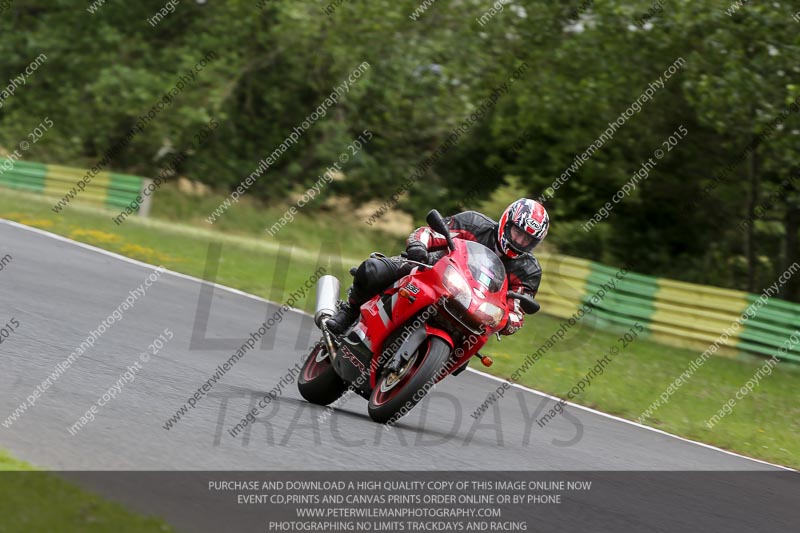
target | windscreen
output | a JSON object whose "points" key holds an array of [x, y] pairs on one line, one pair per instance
{"points": [[485, 266]]}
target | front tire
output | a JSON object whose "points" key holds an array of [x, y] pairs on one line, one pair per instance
{"points": [[396, 394], [318, 382]]}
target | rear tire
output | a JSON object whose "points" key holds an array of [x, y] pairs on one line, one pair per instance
{"points": [[318, 382], [389, 403]]}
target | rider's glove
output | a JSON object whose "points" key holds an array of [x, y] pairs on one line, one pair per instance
{"points": [[514, 318], [416, 251]]}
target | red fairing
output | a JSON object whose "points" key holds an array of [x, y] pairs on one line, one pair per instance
{"points": [[425, 293]]}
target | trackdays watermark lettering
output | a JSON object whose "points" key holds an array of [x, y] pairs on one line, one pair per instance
{"points": [[271, 430]]}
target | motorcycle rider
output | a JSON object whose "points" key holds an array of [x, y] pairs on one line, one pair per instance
{"points": [[522, 226]]}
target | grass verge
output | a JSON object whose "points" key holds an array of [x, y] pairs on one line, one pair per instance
{"points": [[763, 424], [33, 502]]}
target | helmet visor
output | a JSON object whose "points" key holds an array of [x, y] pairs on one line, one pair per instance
{"points": [[520, 240]]}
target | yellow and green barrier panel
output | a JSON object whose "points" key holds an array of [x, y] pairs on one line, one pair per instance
{"points": [[108, 189], [674, 312]]}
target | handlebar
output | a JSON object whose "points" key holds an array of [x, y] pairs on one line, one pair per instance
{"points": [[405, 258]]}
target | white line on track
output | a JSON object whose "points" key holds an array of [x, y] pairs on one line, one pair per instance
{"points": [[301, 312]]}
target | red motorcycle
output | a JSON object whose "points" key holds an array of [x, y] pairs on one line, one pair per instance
{"points": [[415, 333]]}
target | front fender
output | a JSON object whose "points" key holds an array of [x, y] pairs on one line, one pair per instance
{"points": [[411, 344], [442, 334], [415, 339]]}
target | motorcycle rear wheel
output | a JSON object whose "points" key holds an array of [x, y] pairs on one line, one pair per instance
{"points": [[318, 382], [396, 394]]}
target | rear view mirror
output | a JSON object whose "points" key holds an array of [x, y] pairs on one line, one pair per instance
{"points": [[437, 224], [528, 304]]}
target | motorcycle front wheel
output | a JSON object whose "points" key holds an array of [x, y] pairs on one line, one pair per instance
{"points": [[397, 393]]}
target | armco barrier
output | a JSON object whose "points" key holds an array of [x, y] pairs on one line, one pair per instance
{"points": [[106, 188], [674, 312]]}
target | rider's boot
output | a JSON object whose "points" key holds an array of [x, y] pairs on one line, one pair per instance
{"points": [[344, 317]]}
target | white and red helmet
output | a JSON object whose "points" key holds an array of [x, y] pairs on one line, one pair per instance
{"points": [[522, 227]]}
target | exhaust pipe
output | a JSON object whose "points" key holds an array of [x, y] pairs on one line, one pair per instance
{"points": [[327, 298]]}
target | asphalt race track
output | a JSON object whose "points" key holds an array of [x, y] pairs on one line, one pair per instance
{"points": [[59, 290]]}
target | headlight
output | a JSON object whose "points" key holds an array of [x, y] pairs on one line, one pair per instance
{"points": [[491, 314], [458, 286]]}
